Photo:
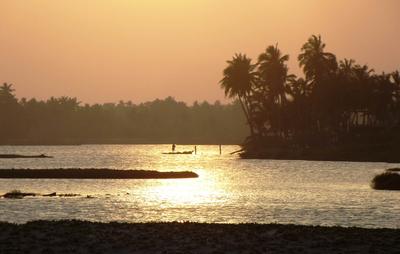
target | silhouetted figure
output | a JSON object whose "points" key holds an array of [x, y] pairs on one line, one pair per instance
{"points": [[173, 147], [195, 149]]}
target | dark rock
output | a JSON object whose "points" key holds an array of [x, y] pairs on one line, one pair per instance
{"points": [[53, 194], [386, 181], [17, 194]]}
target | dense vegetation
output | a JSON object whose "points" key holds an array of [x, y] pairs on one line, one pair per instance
{"points": [[66, 121], [337, 104]]}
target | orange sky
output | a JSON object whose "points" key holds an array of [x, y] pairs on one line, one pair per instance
{"points": [[139, 50]]}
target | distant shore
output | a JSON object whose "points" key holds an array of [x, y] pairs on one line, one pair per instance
{"points": [[120, 142], [90, 237]]}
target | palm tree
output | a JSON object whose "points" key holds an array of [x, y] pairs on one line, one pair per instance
{"points": [[239, 78], [396, 82], [383, 97], [273, 73], [315, 61], [7, 94], [298, 88], [319, 68], [346, 67]]}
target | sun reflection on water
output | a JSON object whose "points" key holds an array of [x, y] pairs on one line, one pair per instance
{"points": [[185, 192], [206, 189], [228, 190]]}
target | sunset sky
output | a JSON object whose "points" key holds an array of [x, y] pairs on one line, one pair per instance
{"points": [[140, 50]]}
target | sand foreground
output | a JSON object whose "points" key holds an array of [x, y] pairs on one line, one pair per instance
{"points": [[89, 237]]}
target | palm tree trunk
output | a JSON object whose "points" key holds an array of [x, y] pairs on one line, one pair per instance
{"points": [[246, 113]]}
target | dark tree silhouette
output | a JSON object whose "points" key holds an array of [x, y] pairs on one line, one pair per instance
{"points": [[316, 63], [335, 106], [239, 78], [65, 120]]}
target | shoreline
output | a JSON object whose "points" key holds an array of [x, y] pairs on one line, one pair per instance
{"points": [[322, 159], [187, 237], [353, 154], [192, 143]]}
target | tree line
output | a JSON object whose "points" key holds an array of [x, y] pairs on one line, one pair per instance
{"points": [[334, 103], [65, 120]]}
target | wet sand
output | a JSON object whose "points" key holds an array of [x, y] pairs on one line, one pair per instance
{"points": [[88, 237]]}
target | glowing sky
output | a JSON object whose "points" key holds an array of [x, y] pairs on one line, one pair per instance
{"points": [[139, 50]]}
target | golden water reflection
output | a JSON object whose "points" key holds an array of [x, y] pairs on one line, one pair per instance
{"points": [[186, 192], [228, 190], [206, 189]]}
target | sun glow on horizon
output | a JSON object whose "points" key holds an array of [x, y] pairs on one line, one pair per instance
{"points": [[154, 49]]}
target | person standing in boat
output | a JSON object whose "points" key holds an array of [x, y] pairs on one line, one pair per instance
{"points": [[173, 147]]}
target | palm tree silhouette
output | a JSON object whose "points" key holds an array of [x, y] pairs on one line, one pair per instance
{"points": [[346, 67], [7, 94], [273, 73], [239, 79], [315, 61], [298, 88], [396, 82]]}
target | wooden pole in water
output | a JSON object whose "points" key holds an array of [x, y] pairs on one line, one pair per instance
{"points": [[220, 149]]}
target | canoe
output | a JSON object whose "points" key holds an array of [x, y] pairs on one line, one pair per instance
{"points": [[184, 152]]}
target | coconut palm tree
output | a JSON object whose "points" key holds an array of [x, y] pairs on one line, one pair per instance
{"points": [[273, 73], [273, 76], [238, 81], [346, 67], [6, 93], [315, 62], [396, 82], [298, 88]]}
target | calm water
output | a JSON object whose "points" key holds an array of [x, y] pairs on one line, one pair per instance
{"points": [[229, 190]]}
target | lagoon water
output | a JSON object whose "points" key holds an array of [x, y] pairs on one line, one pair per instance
{"points": [[229, 189]]}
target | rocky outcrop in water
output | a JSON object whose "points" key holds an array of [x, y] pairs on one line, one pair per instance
{"points": [[19, 156], [92, 173], [386, 181]]}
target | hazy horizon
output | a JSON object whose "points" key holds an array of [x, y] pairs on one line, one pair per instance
{"points": [[101, 51]]}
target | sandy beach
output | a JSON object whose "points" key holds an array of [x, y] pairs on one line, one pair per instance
{"points": [[90, 237]]}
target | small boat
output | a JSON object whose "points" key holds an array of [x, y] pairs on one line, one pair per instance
{"points": [[184, 152]]}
